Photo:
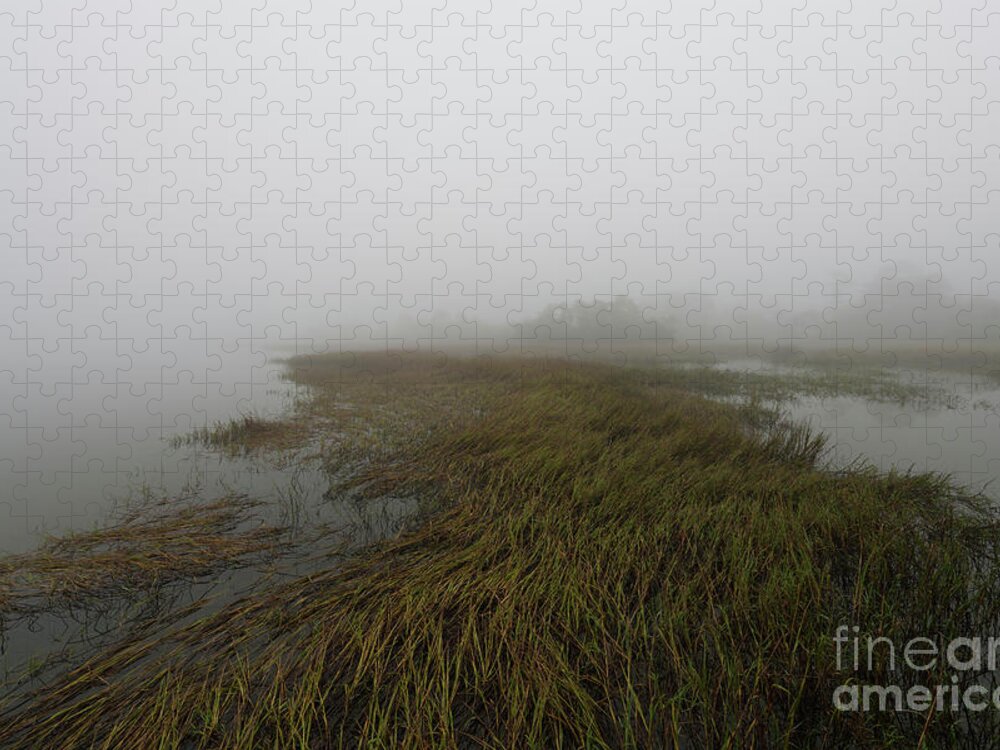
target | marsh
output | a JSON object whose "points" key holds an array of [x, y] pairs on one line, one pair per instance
{"points": [[539, 545]]}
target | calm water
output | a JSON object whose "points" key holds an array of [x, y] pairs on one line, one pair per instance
{"points": [[72, 461], [960, 438], [73, 449]]}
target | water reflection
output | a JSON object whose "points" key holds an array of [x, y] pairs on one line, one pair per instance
{"points": [[954, 429], [291, 490]]}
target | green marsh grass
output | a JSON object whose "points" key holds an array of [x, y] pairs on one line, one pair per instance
{"points": [[616, 562], [244, 434], [159, 542]]}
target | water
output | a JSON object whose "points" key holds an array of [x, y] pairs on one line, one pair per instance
{"points": [[76, 460], [80, 440], [958, 435]]}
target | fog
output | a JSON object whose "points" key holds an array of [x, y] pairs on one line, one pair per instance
{"points": [[340, 177], [187, 193]]}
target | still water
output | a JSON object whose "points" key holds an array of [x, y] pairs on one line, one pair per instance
{"points": [[954, 431], [77, 462], [73, 451]]}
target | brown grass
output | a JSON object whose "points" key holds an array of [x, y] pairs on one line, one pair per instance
{"points": [[142, 550]]}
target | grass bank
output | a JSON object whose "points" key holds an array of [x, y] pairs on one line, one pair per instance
{"points": [[616, 562]]}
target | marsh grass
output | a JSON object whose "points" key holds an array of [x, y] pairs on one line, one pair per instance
{"points": [[617, 562], [147, 547], [245, 434]]}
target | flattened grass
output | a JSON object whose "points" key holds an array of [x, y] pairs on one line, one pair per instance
{"points": [[145, 548], [619, 563]]}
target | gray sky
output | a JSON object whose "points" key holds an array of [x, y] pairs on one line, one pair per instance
{"points": [[256, 175]]}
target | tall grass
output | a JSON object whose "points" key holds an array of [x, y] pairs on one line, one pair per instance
{"points": [[618, 563]]}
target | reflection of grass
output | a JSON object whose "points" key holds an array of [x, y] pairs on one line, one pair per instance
{"points": [[244, 434], [145, 549], [970, 358], [769, 385], [619, 563]]}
